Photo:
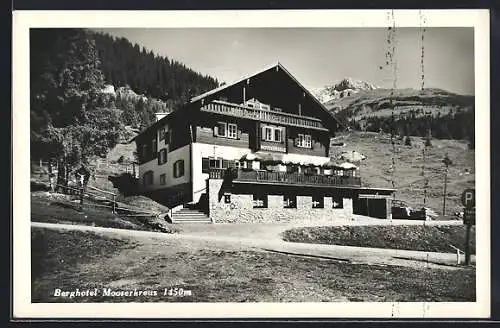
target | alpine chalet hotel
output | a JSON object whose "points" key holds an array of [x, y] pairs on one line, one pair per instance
{"points": [[256, 150]]}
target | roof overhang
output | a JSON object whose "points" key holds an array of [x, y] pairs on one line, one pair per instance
{"points": [[210, 95]]}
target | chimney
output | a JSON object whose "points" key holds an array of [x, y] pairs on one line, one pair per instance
{"points": [[159, 116]]}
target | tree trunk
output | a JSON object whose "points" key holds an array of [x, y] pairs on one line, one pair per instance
{"points": [[62, 177]]}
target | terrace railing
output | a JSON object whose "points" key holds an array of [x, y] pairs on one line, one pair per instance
{"points": [[222, 107], [286, 178]]}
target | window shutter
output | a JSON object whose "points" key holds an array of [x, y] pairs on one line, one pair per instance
{"points": [[159, 158], [296, 141], [225, 163], [216, 130], [181, 168], [263, 133], [282, 132], [205, 165], [239, 134]]}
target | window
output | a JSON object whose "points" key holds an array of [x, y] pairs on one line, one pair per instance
{"points": [[163, 180], [337, 202], [205, 165], [221, 129], [147, 178], [304, 141], [277, 135], [215, 163], [290, 201], [318, 201], [162, 156], [208, 163], [144, 152], [162, 133], [179, 168], [227, 130], [168, 136], [273, 134], [154, 147], [232, 131], [259, 201], [269, 134]]}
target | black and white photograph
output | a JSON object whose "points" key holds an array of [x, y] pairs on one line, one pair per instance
{"points": [[307, 167]]}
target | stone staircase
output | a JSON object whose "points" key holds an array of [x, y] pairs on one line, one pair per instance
{"points": [[188, 215]]}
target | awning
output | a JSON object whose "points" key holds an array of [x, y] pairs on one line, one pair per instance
{"points": [[348, 166], [352, 156], [307, 161], [332, 165], [284, 159], [249, 157]]}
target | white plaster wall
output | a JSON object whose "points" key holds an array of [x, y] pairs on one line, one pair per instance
{"points": [[200, 150], [167, 168]]}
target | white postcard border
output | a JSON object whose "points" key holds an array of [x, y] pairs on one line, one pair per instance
{"points": [[23, 20]]}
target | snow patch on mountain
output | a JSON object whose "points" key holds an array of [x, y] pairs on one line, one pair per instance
{"points": [[344, 88]]}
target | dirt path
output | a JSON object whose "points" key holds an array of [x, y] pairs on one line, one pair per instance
{"points": [[272, 231], [275, 244]]}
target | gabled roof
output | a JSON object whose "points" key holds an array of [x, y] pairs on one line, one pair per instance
{"points": [[225, 86], [265, 69]]}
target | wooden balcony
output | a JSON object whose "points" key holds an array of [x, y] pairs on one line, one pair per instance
{"points": [[297, 179], [269, 116]]}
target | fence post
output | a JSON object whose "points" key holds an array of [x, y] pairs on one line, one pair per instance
{"points": [[81, 198]]}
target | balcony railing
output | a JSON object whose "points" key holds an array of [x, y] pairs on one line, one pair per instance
{"points": [[263, 115], [285, 178]]}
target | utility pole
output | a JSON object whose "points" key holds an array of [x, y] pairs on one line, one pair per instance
{"points": [[444, 193], [447, 161], [467, 243]]}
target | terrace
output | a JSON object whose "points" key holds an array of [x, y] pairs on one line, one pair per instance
{"points": [[285, 178]]}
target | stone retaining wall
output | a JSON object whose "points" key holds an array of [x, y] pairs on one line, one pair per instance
{"points": [[240, 209]]}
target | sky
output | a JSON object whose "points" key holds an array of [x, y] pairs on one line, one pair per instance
{"points": [[320, 56]]}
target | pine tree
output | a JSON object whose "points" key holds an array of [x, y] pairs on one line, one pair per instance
{"points": [[79, 120]]}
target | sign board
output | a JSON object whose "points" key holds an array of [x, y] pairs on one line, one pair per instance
{"points": [[469, 198], [470, 216]]}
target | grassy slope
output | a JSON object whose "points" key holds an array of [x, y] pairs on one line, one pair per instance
{"points": [[367, 102], [429, 238], [72, 260], [58, 208], [374, 170], [103, 168]]}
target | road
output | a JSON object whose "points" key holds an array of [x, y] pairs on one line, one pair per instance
{"points": [[270, 241]]}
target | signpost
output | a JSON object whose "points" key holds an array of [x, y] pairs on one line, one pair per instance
{"points": [[469, 202]]}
